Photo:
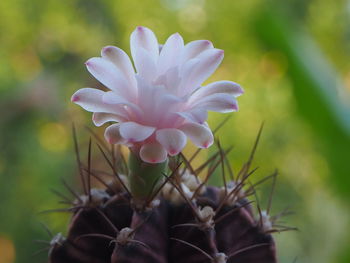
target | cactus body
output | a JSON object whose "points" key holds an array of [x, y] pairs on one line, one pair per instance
{"points": [[181, 219], [166, 233]]}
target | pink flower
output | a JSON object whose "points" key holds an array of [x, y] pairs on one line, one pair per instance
{"points": [[161, 105]]}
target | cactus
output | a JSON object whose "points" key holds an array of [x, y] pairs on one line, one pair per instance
{"points": [[157, 209], [181, 220]]}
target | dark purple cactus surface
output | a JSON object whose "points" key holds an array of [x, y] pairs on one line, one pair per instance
{"points": [[183, 221]]}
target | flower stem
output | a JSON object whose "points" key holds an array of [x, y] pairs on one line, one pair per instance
{"points": [[144, 178]]}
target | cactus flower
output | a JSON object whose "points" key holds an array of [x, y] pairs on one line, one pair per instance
{"points": [[161, 104], [154, 209]]}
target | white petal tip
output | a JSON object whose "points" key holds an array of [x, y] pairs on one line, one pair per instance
{"points": [[153, 153], [95, 120], [239, 90], [234, 107], [207, 144], [134, 132], [152, 160], [220, 53], [75, 98], [88, 63], [140, 28], [173, 152], [107, 49], [173, 140], [91, 62]]}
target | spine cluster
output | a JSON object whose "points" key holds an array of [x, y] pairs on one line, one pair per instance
{"points": [[182, 220]]}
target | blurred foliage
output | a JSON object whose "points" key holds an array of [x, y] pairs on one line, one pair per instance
{"points": [[290, 56]]}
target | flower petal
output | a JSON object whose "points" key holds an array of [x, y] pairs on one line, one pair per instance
{"points": [[134, 132], [218, 102], [172, 80], [91, 100], [100, 118], [170, 55], [122, 61], [144, 38], [148, 95], [153, 153], [173, 140], [185, 73], [200, 135], [110, 97], [145, 65], [166, 102], [209, 60], [195, 115], [112, 134], [194, 48], [109, 75], [227, 87]]}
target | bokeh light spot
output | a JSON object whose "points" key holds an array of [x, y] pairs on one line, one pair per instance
{"points": [[26, 64], [193, 18], [7, 250], [53, 137]]}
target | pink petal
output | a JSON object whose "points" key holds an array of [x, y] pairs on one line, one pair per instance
{"points": [[100, 118], [187, 68], [185, 74], [166, 102], [112, 134], [173, 140], [170, 55], [172, 79], [156, 102], [218, 102], [134, 132], [110, 97], [109, 75], [153, 153], [121, 60], [91, 100], [145, 65], [209, 60], [227, 87], [200, 135], [195, 115], [194, 48], [148, 94], [144, 38]]}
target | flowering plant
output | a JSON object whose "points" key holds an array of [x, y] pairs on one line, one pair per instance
{"points": [[155, 210], [163, 103]]}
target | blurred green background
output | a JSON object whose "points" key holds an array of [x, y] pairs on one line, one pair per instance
{"points": [[292, 57]]}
